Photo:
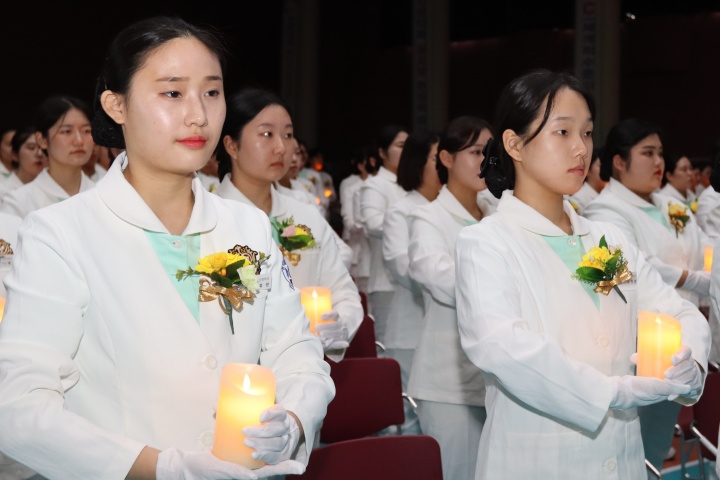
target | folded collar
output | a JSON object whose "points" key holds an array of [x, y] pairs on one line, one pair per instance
{"points": [[530, 219]]}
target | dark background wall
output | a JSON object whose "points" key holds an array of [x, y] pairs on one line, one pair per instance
{"points": [[668, 56]]}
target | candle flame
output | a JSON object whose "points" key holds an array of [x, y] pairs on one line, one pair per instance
{"points": [[657, 320], [314, 294], [246, 383]]}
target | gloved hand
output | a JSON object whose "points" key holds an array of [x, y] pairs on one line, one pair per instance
{"points": [[275, 440], [698, 281], [686, 371], [288, 467], [333, 335], [630, 391], [176, 464]]}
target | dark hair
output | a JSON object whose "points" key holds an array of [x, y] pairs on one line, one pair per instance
{"points": [[242, 107], [620, 139], [127, 54], [520, 103], [671, 161], [385, 138], [596, 154], [55, 108], [413, 159], [17, 141], [461, 133]]}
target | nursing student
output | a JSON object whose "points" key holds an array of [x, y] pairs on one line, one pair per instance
{"points": [[63, 134], [418, 176], [109, 364], [257, 136], [377, 194], [708, 203], [28, 160], [677, 178], [562, 394], [448, 388]]}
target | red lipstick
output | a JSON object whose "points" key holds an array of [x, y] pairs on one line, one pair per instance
{"points": [[195, 141]]}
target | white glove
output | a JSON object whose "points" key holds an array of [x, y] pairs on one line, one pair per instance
{"points": [[333, 335], [175, 464], [630, 391], [698, 281], [686, 371], [276, 439]]}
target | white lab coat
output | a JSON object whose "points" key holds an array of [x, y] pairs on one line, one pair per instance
{"points": [[39, 193], [348, 187], [7, 185], [406, 317], [708, 212], [669, 253], [377, 194], [672, 192], [583, 197], [299, 195], [9, 225], [210, 183], [100, 356], [441, 371], [362, 257], [490, 200], [4, 172], [547, 351], [318, 266]]}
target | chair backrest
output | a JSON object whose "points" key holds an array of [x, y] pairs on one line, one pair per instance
{"points": [[363, 343], [368, 399], [402, 457], [707, 411]]}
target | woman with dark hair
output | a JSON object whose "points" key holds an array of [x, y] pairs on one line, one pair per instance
{"points": [[708, 207], [257, 135], [377, 194], [63, 134], [662, 227], [417, 175], [678, 179], [115, 330], [447, 386], [593, 184], [28, 160], [554, 348], [6, 135]]}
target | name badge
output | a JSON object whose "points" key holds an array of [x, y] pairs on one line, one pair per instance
{"points": [[264, 281], [6, 261]]}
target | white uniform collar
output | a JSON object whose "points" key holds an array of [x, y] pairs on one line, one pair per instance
{"points": [[126, 203], [452, 205], [228, 190], [48, 185], [386, 174], [530, 219], [627, 195]]}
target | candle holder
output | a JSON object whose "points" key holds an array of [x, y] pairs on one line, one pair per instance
{"points": [[246, 390], [659, 338]]}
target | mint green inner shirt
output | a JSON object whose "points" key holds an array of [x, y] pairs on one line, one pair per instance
{"points": [[657, 215], [178, 252], [570, 249]]}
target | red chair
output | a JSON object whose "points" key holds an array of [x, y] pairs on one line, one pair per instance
{"points": [[368, 399], [707, 417], [363, 344], [363, 302], [406, 457]]}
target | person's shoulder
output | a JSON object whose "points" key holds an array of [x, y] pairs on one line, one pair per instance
{"points": [[235, 208]]}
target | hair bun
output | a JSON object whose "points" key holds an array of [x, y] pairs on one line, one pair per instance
{"points": [[495, 180], [105, 132]]}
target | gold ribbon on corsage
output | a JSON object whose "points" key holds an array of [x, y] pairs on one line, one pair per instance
{"points": [[293, 258], [678, 224], [228, 298], [5, 248], [604, 286]]}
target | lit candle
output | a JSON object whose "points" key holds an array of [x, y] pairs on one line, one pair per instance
{"points": [[708, 259], [658, 340], [245, 392], [316, 300], [2, 307]]}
